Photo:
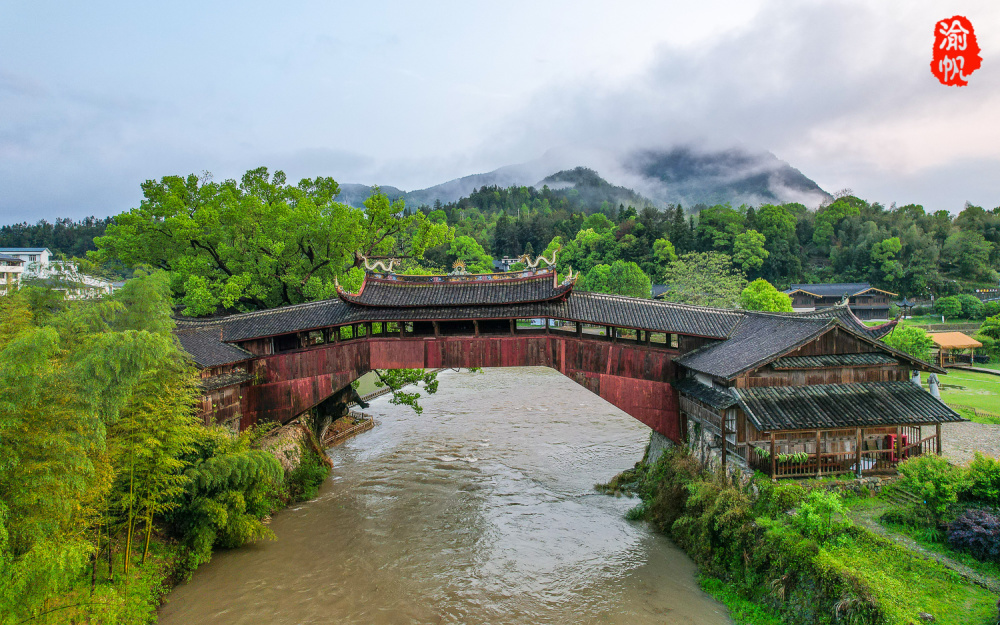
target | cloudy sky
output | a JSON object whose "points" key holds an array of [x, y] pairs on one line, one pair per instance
{"points": [[96, 97]]}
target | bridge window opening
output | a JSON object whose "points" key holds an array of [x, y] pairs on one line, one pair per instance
{"points": [[494, 326], [315, 337], [674, 341], [457, 328], [423, 328], [286, 342]]}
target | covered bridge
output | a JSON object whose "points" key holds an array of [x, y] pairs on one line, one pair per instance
{"points": [[819, 381]]}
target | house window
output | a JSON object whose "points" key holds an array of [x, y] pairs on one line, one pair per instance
{"points": [[32, 258]]}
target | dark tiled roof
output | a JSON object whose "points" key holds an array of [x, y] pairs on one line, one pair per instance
{"points": [[848, 318], [224, 380], [834, 360], [445, 291], [11, 259], [837, 289], [706, 394], [204, 343], [595, 308], [757, 339], [863, 404]]}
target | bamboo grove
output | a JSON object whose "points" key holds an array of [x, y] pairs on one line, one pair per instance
{"points": [[103, 467]]}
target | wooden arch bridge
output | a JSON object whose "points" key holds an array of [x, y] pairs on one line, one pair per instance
{"points": [[640, 355]]}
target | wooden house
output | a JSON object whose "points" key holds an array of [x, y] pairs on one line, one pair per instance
{"points": [[795, 396], [864, 300]]}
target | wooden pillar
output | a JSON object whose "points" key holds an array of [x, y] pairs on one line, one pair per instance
{"points": [[547, 325], [774, 457], [899, 444], [937, 437], [437, 328], [336, 334], [819, 457], [857, 453], [649, 337], [724, 445], [368, 329], [354, 330], [579, 329], [513, 325], [402, 329], [475, 325]]}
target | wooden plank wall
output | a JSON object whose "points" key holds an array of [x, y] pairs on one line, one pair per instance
{"points": [[631, 376], [840, 375]]}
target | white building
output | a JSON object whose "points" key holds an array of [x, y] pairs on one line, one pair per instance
{"points": [[37, 265], [40, 255], [11, 268]]}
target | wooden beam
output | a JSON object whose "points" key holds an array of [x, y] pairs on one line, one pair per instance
{"points": [[724, 445], [857, 453], [774, 456], [819, 457]]}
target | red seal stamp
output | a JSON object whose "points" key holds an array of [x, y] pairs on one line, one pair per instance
{"points": [[956, 52]]}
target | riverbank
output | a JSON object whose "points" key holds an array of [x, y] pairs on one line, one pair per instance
{"points": [[793, 553]]}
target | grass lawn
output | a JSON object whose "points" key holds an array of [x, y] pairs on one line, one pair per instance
{"points": [[968, 388], [906, 585]]}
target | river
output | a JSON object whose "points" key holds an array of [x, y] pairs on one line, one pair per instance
{"points": [[480, 510]]}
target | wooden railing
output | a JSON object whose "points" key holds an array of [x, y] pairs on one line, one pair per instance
{"points": [[873, 461]]}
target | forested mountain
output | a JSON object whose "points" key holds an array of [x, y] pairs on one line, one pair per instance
{"points": [[684, 176], [356, 194], [589, 189], [681, 175]]}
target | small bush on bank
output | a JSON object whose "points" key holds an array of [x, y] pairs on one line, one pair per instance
{"points": [[815, 516], [304, 481], [978, 533], [984, 475], [936, 482]]}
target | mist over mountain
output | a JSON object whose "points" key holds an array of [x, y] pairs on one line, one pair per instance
{"points": [[680, 175], [684, 176]]}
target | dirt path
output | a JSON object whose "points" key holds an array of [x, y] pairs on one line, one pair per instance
{"points": [[867, 517], [961, 440]]}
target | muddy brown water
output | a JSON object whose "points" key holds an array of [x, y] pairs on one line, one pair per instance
{"points": [[480, 510]]}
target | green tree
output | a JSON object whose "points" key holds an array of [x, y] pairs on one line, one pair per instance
{"points": [[748, 250], [969, 253], [972, 306], [704, 279], [258, 243], [950, 307], [469, 251], [620, 278], [910, 340], [718, 227], [827, 219], [887, 269], [761, 295]]}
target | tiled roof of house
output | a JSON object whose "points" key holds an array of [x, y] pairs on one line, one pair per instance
{"points": [[833, 289], [757, 339], [863, 404], [706, 394], [834, 360], [474, 290], [222, 381], [763, 337], [848, 318], [11, 259], [204, 342]]}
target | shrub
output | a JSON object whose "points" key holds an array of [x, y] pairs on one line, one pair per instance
{"points": [[922, 310], [984, 474], [948, 306], [304, 481], [991, 309], [934, 480], [815, 516], [977, 532], [972, 306]]}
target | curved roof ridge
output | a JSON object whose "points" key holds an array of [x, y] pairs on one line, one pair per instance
{"points": [[663, 303]]}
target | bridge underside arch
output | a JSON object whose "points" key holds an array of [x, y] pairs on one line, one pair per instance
{"points": [[635, 378]]}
